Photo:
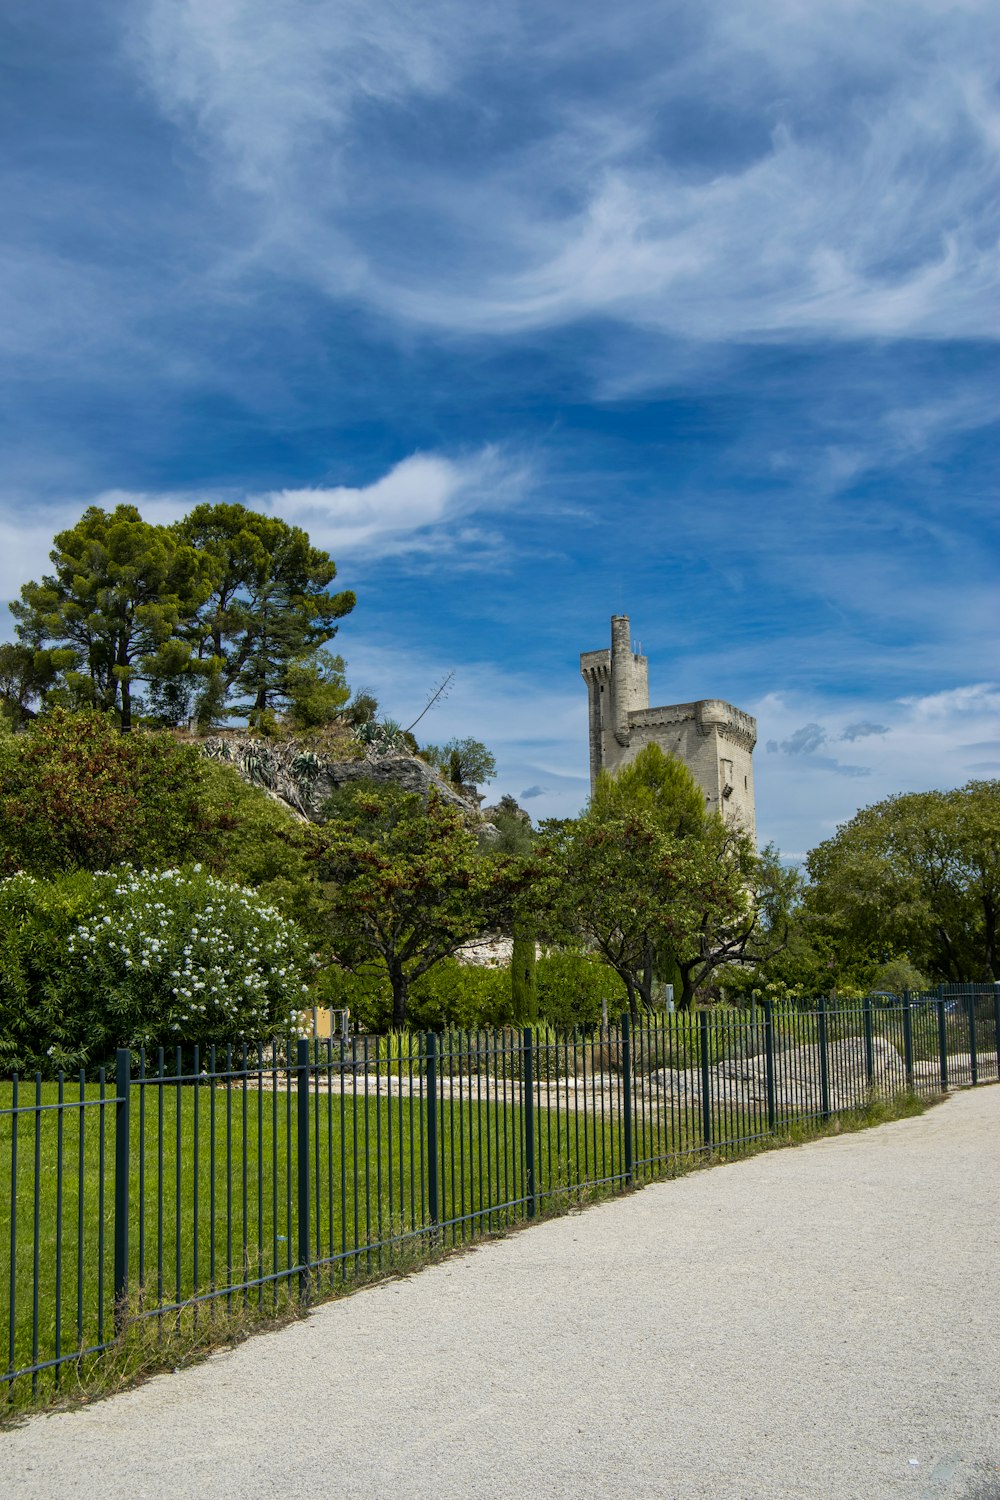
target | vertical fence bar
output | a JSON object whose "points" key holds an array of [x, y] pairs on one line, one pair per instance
{"points": [[527, 1072], [626, 1077], [908, 1038], [869, 1044], [824, 1061], [432, 1130], [942, 1026], [302, 1162], [996, 1028], [12, 1306], [706, 1095], [973, 1057], [772, 1110], [123, 1080]]}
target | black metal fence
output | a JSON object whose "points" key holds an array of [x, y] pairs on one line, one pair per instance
{"points": [[191, 1184]]}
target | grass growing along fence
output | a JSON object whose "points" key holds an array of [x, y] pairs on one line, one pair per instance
{"points": [[198, 1192]]}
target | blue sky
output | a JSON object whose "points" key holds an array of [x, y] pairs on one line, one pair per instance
{"points": [[532, 314]]}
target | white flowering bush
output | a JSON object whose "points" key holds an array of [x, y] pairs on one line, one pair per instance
{"points": [[157, 958]]}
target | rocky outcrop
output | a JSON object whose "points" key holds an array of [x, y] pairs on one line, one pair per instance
{"points": [[304, 778]]}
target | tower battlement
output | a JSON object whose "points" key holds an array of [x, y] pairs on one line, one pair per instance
{"points": [[714, 739]]}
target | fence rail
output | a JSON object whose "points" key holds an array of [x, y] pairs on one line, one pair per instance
{"points": [[189, 1183]]}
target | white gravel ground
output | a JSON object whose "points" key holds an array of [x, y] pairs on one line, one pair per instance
{"points": [[821, 1322]]}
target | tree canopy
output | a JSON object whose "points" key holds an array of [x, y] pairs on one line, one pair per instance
{"points": [[406, 884], [663, 891], [111, 612], [269, 608], [179, 621], [916, 876]]}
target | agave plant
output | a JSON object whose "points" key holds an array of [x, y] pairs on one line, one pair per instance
{"points": [[380, 736]]}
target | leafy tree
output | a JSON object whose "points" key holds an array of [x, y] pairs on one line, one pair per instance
{"points": [[405, 884], [916, 876], [362, 709], [269, 607], [316, 690], [627, 891], [24, 677], [662, 890], [660, 783], [746, 902], [75, 794], [465, 762], [111, 613]]}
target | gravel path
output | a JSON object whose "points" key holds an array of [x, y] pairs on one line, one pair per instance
{"points": [[821, 1322]]}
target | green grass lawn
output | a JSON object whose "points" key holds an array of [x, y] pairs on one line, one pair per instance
{"points": [[214, 1182]]}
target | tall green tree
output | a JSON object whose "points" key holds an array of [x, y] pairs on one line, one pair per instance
{"points": [[405, 884], [915, 876], [269, 608], [112, 612], [660, 889], [628, 891], [657, 782]]}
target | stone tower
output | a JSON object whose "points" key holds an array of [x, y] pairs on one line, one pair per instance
{"points": [[713, 739]]}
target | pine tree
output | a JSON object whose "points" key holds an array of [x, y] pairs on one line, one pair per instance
{"points": [[113, 611]]}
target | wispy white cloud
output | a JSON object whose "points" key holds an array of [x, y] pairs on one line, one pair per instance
{"points": [[956, 706], [409, 507], [424, 507], [850, 192]]}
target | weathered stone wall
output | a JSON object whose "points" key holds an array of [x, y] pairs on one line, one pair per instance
{"points": [[713, 739]]}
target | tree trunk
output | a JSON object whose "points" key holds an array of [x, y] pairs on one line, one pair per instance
{"points": [[645, 985], [399, 988], [630, 990], [687, 986]]}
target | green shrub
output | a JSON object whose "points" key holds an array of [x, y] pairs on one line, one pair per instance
{"points": [[94, 961], [449, 996], [572, 985]]}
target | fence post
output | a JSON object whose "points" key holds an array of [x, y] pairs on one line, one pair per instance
{"points": [[869, 1043], [432, 1131], [706, 1084], [772, 1108], [302, 1149], [527, 1079], [996, 1027], [943, 1045], [123, 1080], [824, 1062], [973, 1058], [908, 1039], [626, 1077]]}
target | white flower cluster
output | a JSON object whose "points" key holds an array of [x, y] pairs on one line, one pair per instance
{"points": [[199, 957]]}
